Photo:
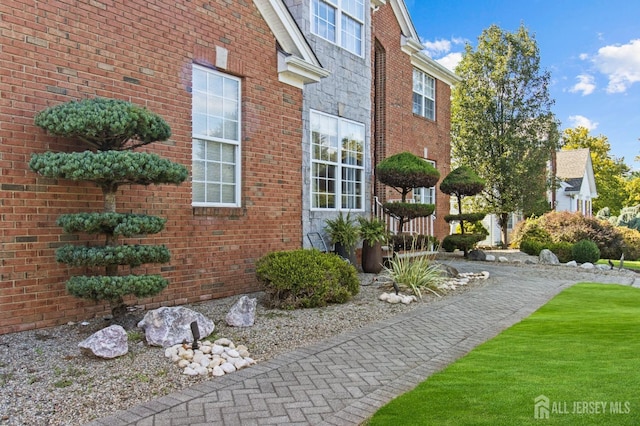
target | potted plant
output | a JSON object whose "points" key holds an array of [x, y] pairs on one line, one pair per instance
{"points": [[373, 232], [344, 234]]}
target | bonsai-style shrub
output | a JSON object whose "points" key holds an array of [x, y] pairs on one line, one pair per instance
{"points": [[586, 251], [344, 234], [404, 172], [106, 132], [306, 278], [373, 232], [463, 182]]}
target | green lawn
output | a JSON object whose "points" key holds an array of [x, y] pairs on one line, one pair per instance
{"points": [[581, 350], [628, 264]]}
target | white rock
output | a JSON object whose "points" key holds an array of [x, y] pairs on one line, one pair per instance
{"points": [[485, 274], [241, 363], [243, 353], [170, 352], [190, 372], [233, 353], [205, 361], [242, 348], [206, 349], [572, 263], [227, 367], [217, 371], [502, 259], [175, 358], [251, 361], [587, 265], [490, 258], [202, 371], [217, 349], [183, 363], [197, 357], [223, 342]]}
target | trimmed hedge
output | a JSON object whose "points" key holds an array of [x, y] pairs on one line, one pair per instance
{"points": [[586, 251], [306, 278]]}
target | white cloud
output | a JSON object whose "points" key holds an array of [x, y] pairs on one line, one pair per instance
{"points": [[585, 85], [437, 47], [450, 61], [582, 121], [621, 64]]}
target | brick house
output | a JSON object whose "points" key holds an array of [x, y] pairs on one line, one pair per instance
{"points": [[412, 108], [170, 57], [293, 77]]}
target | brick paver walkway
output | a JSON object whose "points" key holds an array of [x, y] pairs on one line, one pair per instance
{"points": [[345, 379]]}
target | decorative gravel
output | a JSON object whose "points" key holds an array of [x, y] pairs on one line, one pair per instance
{"points": [[46, 380]]}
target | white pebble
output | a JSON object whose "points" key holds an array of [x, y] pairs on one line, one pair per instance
{"points": [[241, 363], [217, 349], [233, 353], [227, 367], [190, 372], [217, 371], [223, 342], [183, 363]]}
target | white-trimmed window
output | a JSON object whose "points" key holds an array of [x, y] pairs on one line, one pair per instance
{"points": [[424, 95], [425, 195], [216, 138], [340, 22], [337, 163]]}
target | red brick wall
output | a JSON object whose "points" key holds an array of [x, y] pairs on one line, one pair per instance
{"points": [[403, 130], [56, 51]]}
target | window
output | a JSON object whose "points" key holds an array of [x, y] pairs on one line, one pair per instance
{"points": [[424, 95], [425, 195], [215, 138], [340, 22], [337, 163]]}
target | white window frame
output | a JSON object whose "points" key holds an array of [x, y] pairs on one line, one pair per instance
{"points": [[425, 195], [424, 94], [347, 16], [336, 153], [211, 104]]}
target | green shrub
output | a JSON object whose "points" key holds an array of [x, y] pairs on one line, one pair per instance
{"points": [[631, 243], [448, 244], [408, 242], [531, 246], [563, 250], [462, 242], [586, 251], [306, 278]]}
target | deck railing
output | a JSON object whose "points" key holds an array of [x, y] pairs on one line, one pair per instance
{"points": [[418, 226]]}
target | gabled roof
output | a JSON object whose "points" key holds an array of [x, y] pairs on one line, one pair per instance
{"points": [[297, 63], [573, 167]]}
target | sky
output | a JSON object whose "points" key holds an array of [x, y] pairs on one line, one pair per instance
{"points": [[591, 49]]}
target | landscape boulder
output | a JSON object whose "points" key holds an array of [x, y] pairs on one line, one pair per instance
{"points": [[110, 342], [477, 255], [168, 326], [243, 313], [548, 257]]}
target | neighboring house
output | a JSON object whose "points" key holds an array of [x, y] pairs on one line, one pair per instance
{"points": [[227, 77], [576, 185], [270, 104], [411, 108], [574, 192]]}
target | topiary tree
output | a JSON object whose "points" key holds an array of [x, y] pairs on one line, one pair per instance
{"points": [[463, 182], [112, 129], [404, 172]]}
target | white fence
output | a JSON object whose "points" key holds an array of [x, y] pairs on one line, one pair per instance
{"points": [[418, 226]]}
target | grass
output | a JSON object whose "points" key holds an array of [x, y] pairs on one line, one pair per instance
{"points": [[578, 349], [628, 264]]}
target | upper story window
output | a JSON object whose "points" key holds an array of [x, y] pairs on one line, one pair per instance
{"points": [[215, 138], [424, 95], [425, 195], [337, 163], [339, 21]]}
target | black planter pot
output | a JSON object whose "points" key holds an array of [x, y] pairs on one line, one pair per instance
{"points": [[342, 251], [371, 257]]}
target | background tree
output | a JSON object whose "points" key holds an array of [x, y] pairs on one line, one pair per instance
{"points": [[113, 128], [463, 182], [404, 172], [501, 121], [609, 172]]}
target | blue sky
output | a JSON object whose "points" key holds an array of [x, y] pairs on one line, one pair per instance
{"points": [[591, 48]]}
